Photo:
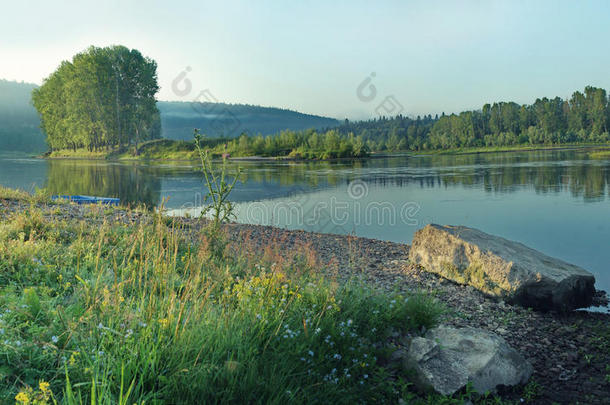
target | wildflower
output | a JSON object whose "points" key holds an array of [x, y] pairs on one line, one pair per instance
{"points": [[22, 397], [54, 339], [349, 322], [258, 316], [18, 343], [100, 326], [318, 330], [310, 353], [365, 376], [43, 386], [337, 356]]}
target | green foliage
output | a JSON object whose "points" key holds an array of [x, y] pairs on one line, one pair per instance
{"points": [[103, 97], [117, 314], [584, 118], [308, 144], [216, 200], [532, 391]]}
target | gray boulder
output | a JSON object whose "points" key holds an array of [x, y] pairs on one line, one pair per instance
{"points": [[502, 268], [446, 359]]}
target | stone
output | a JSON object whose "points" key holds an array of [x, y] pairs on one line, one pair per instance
{"points": [[502, 268], [447, 358]]}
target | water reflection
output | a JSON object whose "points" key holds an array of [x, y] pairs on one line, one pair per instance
{"points": [[545, 172], [133, 184]]}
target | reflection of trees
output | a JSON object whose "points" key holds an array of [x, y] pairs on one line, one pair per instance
{"points": [[544, 171], [131, 183]]}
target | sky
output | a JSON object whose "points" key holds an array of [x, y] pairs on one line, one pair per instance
{"points": [[343, 59]]}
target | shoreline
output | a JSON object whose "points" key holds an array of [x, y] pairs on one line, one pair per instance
{"points": [[569, 351], [373, 155]]}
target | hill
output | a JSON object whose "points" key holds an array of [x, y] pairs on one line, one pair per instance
{"points": [[19, 123], [230, 120]]}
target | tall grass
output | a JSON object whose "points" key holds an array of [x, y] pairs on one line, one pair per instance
{"points": [[111, 313]]}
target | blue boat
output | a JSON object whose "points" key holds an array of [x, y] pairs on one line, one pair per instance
{"points": [[86, 199]]}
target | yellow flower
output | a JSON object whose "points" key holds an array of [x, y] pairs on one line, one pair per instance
{"points": [[22, 398], [43, 386], [164, 322]]}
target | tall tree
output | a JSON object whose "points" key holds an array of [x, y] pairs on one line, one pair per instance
{"points": [[103, 97]]}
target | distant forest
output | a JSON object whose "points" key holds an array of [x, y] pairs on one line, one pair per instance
{"points": [[19, 122], [583, 118], [220, 120]]}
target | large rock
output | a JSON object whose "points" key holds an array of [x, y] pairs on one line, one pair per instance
{"points": [[502, 268], [446, 359]]}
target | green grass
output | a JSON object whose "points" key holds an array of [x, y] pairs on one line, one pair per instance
{"points": [[37, 197], [78, 153], [605, 154], [131, 314]]}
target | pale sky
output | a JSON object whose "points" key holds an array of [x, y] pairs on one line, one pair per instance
{"points": [[311, 56]]}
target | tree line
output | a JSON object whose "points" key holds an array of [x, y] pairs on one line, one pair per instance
{"points": [[308, 144], [104, 97], [583, 118]]}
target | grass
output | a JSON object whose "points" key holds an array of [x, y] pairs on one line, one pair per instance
{"points": [[605, 154], [110, 313], [78, 153]]}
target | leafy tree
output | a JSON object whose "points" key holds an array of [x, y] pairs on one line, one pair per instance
{"points": [[104, 97]]}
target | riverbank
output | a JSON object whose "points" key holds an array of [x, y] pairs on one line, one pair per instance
{"points": [[184, 151], [570, 352]]}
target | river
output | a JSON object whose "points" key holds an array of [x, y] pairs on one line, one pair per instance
{"points": [[556, 201]]}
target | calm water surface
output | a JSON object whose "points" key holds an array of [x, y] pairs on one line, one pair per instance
{"points": [[555, 201]]}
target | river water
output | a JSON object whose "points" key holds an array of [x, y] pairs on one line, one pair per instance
{"points": [[555, 201]]}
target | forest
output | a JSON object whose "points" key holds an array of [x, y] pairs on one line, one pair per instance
{"points": [[104, 97], [583, 118]]}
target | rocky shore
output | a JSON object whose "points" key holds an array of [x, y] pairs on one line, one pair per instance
{"points": [[570, 351]]}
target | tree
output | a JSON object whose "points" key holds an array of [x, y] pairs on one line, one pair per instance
{"points": [[103, 97]]}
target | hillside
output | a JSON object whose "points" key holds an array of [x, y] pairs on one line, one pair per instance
{"points": [[19, 123], [230, 120]]}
